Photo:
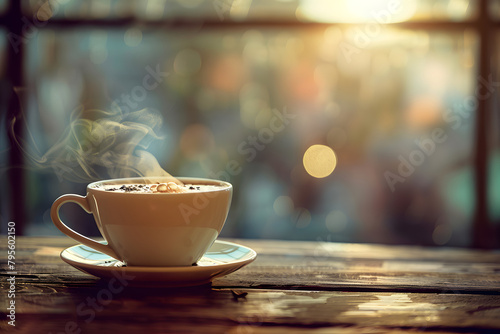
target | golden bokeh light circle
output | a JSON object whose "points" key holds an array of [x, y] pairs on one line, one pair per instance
{"points": [[319, 161]]}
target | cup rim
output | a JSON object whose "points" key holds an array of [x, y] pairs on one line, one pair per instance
{"points": [[127, 180]]}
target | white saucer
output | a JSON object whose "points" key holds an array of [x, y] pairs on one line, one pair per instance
{"points": [[221, 259]]}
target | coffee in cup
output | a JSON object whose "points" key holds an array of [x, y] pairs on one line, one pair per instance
{"points": [[154, 221]]}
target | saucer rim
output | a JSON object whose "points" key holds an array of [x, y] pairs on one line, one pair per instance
{"points": [[163, 270]]}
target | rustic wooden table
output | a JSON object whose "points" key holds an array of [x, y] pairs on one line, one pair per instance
{"points": [[292, 287]]}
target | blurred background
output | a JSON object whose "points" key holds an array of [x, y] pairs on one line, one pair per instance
{"points": [[350, 121]]}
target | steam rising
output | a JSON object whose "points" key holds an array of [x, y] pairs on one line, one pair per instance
{"points": [[100, 145]]}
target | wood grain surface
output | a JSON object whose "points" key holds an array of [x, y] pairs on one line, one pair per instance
{"points": [[292, 287]]}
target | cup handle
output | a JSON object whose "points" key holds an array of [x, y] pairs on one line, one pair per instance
{"points": [[56, 219]]}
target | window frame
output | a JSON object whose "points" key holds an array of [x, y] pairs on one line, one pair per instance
{"points": [[484, 25]]}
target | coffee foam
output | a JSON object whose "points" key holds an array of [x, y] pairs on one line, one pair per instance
{"points": [[157, 188]]}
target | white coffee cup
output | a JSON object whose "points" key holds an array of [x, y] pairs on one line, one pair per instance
{"points": [[152, 229]]}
